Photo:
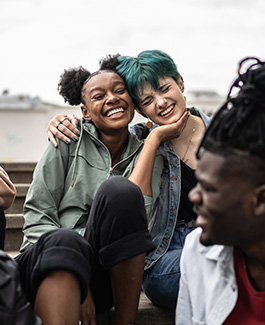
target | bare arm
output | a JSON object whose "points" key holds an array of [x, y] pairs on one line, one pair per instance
{"points": [[142, 173], [63, 127]]}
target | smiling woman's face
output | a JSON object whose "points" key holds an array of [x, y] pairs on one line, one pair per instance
{"points": [[108, 102], [164, 105]]}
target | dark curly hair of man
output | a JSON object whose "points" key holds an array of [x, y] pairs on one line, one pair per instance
{"points": [[237, 130]]}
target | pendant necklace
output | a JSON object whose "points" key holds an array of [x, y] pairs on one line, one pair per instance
{"points": [[188, 146]]}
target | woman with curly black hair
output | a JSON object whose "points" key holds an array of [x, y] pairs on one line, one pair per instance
{"points": [[83, 190]]}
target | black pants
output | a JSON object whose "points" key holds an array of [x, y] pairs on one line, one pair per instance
{"points": [[116, 231]]}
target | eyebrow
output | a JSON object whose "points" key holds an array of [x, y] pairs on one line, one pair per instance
{"points": [[146, 98], [160, 88], [115, 83]]}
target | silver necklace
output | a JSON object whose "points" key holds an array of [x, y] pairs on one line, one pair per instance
{"points": [[188, 146]]}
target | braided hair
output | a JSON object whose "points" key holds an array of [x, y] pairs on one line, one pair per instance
{"points": [[239, 125]]}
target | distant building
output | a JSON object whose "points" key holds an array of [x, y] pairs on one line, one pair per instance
{"points": [[206, 100], [23, 123], [20, 102]]}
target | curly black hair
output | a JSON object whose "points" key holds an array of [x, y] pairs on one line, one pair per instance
{"points": [[110, 62], [71, 84], [72, 80]]}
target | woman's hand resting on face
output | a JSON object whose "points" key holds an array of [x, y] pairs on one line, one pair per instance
{"points": [[171, 131]]}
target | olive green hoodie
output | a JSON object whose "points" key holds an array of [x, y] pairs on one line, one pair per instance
{"points": [[67, 178]]}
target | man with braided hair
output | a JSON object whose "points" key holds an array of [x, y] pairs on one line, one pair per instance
{"points": [[223, 261]]}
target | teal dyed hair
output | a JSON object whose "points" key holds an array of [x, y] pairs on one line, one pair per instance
{"points": [[147, 66]]}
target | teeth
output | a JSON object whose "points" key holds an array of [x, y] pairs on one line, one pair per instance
{"points": [[167, 110], [115, 111]]}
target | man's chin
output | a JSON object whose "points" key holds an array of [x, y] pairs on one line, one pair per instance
{"points": [[205, 240]]}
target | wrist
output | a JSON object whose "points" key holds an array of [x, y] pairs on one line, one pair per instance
{"points": [[154, 138]]}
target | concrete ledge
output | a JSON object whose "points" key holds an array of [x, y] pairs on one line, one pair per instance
{"points": [[15, 221], [19, 172], [14, 235]]}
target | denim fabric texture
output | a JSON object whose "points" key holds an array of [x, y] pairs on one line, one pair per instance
{"points": [[161, 282]]}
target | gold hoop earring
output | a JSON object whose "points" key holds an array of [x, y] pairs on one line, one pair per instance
{"points": [[149, 124]]}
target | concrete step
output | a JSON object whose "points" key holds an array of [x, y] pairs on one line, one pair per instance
{"points": [[15, 219], [14, 235], [19, 172], [17, 206], [21, 176]]}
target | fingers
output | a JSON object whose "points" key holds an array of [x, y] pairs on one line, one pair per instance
{"points": [[64, 128], [73, 119], [69, 129], [52, 138]]}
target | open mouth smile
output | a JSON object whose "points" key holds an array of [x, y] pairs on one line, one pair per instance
{"points": [[201, 219], [167, 110], [115, 111]]}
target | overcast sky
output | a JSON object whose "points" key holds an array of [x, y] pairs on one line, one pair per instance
{"points": [[206, 38]]}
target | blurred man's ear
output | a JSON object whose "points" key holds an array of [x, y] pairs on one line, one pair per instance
{"points": [[86, 113]]}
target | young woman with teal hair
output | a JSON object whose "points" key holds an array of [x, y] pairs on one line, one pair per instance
{"points": [[156, 87]]}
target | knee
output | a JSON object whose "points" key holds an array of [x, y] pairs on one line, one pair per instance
{"points": [[119, 191], [64, 237]]}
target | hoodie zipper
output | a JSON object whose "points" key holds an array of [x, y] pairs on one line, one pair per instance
{"points": [[110, 173]]}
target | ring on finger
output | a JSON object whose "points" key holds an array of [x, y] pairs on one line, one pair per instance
{"points": [[73, 118], [63, 119], [57, 126]]}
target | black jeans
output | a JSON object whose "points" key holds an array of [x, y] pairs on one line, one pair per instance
{"points": [[116, 231]]}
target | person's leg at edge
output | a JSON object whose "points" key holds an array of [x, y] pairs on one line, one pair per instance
{"points": [[55, 274], [117, 230], [126, 279], [58, 293]]}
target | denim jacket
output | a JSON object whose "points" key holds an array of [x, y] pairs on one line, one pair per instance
{"points": [[164, 218], [208, 288]]}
